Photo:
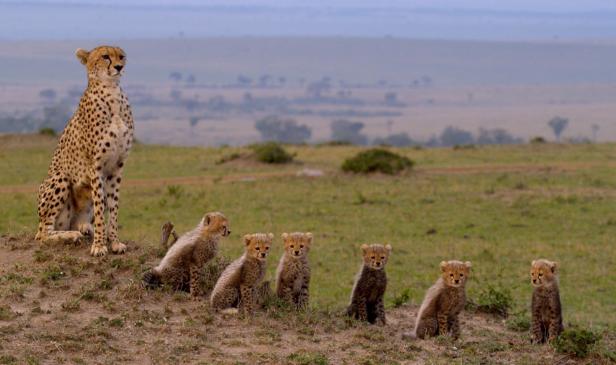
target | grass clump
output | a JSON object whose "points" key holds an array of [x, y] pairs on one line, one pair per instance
{"points": [[377, 160], [402, 298], [576, 342], [47, 132], [272, 153], [520, 322], [537, 140], [307, 358], [495, 300]]}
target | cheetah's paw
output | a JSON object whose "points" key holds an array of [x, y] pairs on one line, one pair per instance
{"points": [[118, 247], [98, 249]]}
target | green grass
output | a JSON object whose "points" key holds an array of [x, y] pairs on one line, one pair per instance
{"points": [[521, 203]]}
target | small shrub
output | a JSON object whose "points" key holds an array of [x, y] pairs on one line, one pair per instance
{"points": [[495, 301], [464, 147], [307, 358], [175, 191], [575, 342], [402, 298], [271, 152], [53, 272], [520, 322], [227, 158], [537, 140], [377, 160], [47, 132]]}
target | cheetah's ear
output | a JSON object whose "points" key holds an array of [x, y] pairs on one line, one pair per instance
{"points": [[82, 55], [533, 263], [247, 238], [284, 236], [309, 236], [270, 236], [364, 248], [208, 219], [443, 265], [554, 266], [388, 248], [468, 266]]}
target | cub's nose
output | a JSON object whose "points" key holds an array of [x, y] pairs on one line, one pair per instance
{"points": [[228, 233], [263, 255], [378, 264], [118, 67], [534, 281], [457, 281], [297, 252]]}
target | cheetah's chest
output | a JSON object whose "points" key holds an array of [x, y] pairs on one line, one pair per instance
{"points": [[118, 135]]}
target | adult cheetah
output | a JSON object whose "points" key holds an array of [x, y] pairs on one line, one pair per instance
{"points": [[84, 177]]}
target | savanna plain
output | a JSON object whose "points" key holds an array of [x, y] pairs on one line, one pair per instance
{"points": [[499, 207]]}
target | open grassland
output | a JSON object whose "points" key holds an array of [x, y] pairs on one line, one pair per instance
{"points": [[499, 207]]}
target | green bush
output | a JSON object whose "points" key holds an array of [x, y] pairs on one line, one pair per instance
{"points": [[46, 131], [377, 160], [495, 300], [537, 140], [271, 152], [402, 298], [520, 322], [575, 342]]}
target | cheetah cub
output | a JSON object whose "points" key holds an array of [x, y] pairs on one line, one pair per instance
{"points": [[182, 265], [370, 284], [438, 314], [547, 316], [293, 274], [239, 282]]}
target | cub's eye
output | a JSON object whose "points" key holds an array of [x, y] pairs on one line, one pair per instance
{"points": [[540, 274], [382, 257], [121, 57], [461, 275], [266, 248], [372, 257], [301, 246], [292, 246], [451, 275], [257, 248], [106, 57]]}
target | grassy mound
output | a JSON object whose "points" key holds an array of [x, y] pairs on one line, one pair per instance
{"points": [[377, 160], [271, 152]]}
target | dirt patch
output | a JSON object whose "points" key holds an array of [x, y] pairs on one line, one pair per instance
{"points": [[59, 305]]}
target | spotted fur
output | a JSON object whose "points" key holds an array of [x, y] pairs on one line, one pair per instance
{"points": [[293, 273], [183, 264], [83, 180], [439, 311], [370, 285], [238, 283], [547, 321]]}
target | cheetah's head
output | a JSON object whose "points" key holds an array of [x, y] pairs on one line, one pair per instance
{"points": [[543, 272], [297, 244], [455, 273], [217, 223], [258, 244], [376, 255], [103, 63]]}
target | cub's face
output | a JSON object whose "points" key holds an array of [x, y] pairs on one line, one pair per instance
{"points": [[297, 244], [104, 62], [376, 255], [542, 272], [455, 273], [258, 245], [217, 223]]}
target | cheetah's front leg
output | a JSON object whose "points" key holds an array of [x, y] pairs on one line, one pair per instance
{"points": [[99, 247], [112, 194]]}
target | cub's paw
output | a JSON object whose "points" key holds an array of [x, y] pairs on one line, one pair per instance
{"points": [[86, 230], [118, 247], [98, 249]]}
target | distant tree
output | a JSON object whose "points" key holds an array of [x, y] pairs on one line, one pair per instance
{"points": [[48, 95], [558, 125], [391, 98], [194, 120], [397, 140], [347, 131], [496, 136], [244, 80], [56, 116], [191, 79], [316, 89], [452, 136], [595, 130], [175, 95], [175, 76], [274, 128], [264, 80]]}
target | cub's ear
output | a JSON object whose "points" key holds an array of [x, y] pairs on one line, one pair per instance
{"points": [[533, 263], [270, 236], [82, 55], [554, 266], [247, 239], [468, 264], [284, 236], [388, 248], [208, 219], [309, 236], [364, 248], [443, 266]]}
